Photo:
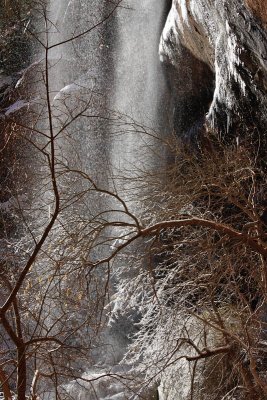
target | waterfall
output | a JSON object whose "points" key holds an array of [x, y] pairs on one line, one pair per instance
{"points": [[140, 91], [118, 64]]}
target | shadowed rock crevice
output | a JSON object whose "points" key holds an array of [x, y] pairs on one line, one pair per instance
{"points": [[191, 88]]}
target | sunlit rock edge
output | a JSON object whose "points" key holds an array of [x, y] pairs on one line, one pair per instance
{"points": [[229, 39]]}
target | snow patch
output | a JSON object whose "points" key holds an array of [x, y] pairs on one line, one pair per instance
{"points": [[99, 384], [66, 90], [15, 107]]}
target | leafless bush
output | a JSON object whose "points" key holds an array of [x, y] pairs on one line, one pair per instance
{"points": [[190, 263], [201, 286]]}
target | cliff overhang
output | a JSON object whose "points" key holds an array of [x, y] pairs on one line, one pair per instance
{"points": [[217, 55]]}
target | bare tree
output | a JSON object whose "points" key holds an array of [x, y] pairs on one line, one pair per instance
{"points": [[192, 262], [46, 323]]}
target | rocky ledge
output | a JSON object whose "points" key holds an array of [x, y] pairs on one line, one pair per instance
{"points": [[215, 54]]}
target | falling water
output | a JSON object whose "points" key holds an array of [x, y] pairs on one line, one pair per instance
{"points": [[117, 62], [140, 91]]}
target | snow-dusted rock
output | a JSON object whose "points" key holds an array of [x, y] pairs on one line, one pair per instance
{"points": [[229, 41]]}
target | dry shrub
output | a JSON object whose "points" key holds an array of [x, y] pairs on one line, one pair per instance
{"points": [[200, 292]]}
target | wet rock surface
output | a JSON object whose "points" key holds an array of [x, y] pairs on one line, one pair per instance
{"points": [[224, 39]]}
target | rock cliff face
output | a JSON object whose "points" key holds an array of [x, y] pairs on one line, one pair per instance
{"points": [[216, 53], [215, 56]]}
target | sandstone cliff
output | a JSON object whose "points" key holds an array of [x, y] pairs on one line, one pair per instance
{"points": [[216, 53]]}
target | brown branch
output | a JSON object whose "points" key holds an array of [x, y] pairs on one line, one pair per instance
{"points": [[192, 222], [34, 384], [88, 30], [5, 385], [50, 225], [205, 353], [217, 226]]}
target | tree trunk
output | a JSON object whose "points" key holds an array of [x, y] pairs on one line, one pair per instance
{"points": [[21, 373]]}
